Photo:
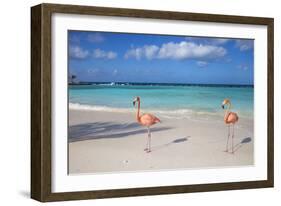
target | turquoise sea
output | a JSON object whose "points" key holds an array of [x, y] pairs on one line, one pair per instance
{"points": [[171, 100]]}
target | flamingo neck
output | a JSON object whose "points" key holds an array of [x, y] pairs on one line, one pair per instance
{"points": [[228, 109]]}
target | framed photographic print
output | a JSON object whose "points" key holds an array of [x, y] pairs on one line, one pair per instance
{"points": [[130, 102]]}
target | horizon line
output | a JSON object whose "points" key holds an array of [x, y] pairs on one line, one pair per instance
{"points": [[167, 83]]}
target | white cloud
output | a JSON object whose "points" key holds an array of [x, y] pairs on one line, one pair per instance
{"points": [[78, 53], [243, 66], [95, 38], [111, 55], [92, 71], [115, 72], [148, 51], [101, 54], [219, 41], [134, 53], [189, 50], [178, 51], [201, 63], [209, 41], [244, 45]]}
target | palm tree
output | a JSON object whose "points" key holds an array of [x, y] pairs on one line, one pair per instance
{"points": [[72, 78]]}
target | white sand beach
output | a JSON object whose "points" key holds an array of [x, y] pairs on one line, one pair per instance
{"points": [[102, 142]]}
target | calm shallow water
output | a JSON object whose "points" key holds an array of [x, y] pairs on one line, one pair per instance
{"points": [[173, 100]]}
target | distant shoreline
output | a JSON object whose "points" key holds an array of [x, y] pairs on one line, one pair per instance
{"points": [[158, 84]]}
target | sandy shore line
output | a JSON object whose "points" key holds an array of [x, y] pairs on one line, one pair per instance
{"points": [[113, 142]]}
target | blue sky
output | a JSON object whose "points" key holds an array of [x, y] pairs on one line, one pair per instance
{"points": [[120, 57]]}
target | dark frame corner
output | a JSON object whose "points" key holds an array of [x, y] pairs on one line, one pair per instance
{"points": [[41, 101]]}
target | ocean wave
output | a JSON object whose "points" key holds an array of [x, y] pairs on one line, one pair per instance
{"points": [[169, 114], [77, 106]]}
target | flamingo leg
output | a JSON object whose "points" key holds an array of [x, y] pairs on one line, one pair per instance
{"points": [[232, 139], [146, 148], [149, 140], [226, 150]]}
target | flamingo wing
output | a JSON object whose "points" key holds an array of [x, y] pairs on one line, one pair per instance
{"points": [[148, 119], [231, 117]]}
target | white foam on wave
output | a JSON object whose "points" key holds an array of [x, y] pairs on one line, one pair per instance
{"points": [[169, 114], [77, 106], [178, 114]]}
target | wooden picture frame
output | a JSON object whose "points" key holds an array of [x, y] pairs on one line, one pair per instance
{"points": [[41, 116]]}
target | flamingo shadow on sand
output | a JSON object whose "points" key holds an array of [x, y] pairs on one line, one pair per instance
{"points": [[99, 130], [244, 141], [176, 141]]}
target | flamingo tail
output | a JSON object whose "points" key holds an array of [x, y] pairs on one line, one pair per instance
{"points": [[157, 120]]}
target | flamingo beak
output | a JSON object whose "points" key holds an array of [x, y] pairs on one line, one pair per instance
{"points": [[134, 103], [222, 106]]}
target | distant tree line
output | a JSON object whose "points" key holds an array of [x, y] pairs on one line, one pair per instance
{"points": [[72, 79]]}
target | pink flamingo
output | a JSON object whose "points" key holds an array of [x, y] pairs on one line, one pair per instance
{"points": [[230, 118], [146, 120]]}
